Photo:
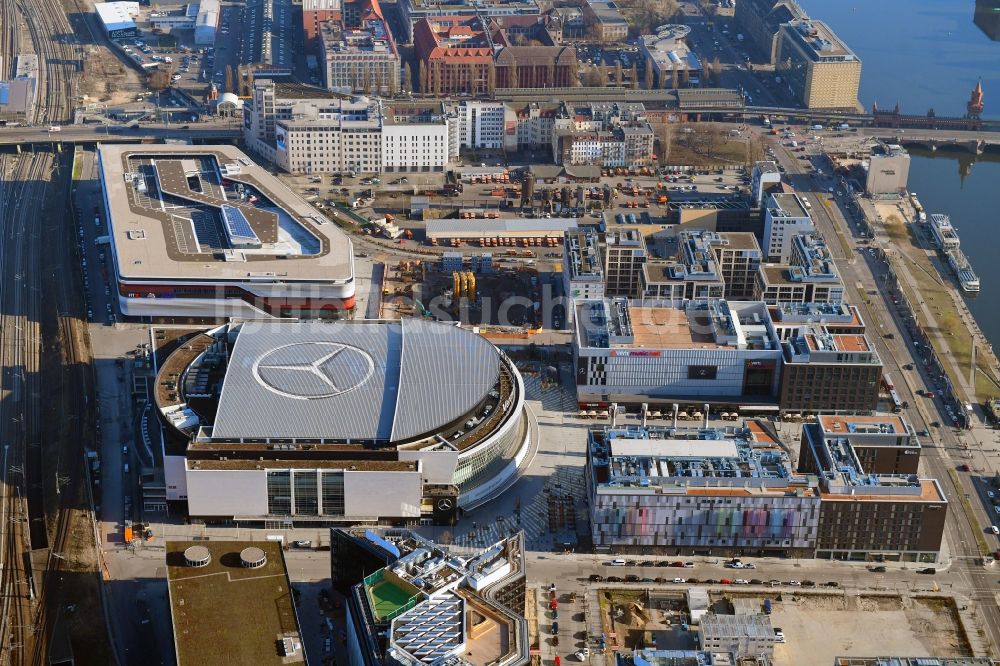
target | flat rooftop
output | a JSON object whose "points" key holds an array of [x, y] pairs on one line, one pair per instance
{"points": [[791, 204], [819, 40], [671, 328], [929, 491], [841, 342], [838, 424], [224, 613], [739, 240], [170, 206]]}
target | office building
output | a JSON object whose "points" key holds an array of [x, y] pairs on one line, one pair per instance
{"points": [[297, 421], [485, 124], [792, 320], [888, 170], [739, 258], [624, 255], [693, 273], [778, 284], [825, 372], [674, 64], [818, 67], [583, 276], [883, 443], [761, 20], [316, 13], [430, 605], [606, 21], [741, 635], [231, 602], [535, 123], [765, 179], [360, 55], [203, 231], [785, 216], [702, 351], [868, 516], [699, 491]]}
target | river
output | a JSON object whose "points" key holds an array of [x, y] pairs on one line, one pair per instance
{"points": [[929, 54]]}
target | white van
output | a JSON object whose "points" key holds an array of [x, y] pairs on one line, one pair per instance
{"points": [[616, 563]]}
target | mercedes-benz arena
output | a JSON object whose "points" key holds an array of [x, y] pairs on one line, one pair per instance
{"points": [[203, 231], [346, 421]]}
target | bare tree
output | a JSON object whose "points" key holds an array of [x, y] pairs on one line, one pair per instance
{"points": [[407, 82], [229, 78], [422, 74], [635, 76], [158, 79], [716, 70], [649, 76], [594, 78], [675, 78], [665, 137]]}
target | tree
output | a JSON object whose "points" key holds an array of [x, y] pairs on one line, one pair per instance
{"points": [[407, 82], [649, 76], [422, 75], [665, 137], [618, 73], [158, 79], [229, 78], [675, 78], [716, 70], [593, 78], [635, 76]]}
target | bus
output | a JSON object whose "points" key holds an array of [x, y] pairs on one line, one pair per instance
{"points": [[897, 404], [887, 382]]}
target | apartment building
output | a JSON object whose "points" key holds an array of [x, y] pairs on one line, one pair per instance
{"points": [[792, 319], [413, 11], [818, 67]]}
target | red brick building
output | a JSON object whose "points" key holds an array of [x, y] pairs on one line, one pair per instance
{"points": [[458, 54]]}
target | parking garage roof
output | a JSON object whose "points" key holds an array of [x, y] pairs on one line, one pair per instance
{"points": [[352, 380], [153, 240]]}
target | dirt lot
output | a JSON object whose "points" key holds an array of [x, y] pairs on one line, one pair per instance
{"points": [[819, 628]]}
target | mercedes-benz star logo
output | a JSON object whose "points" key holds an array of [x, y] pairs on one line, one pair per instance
{"points": [[313, 370], [444, 504]]}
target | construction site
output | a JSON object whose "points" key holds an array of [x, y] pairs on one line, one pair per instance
{"points": [[472, 289]]}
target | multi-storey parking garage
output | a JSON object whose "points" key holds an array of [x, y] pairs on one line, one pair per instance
{"points": [[345, 421]]}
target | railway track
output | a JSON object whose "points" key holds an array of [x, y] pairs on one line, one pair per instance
{"points": [[9, 37], [25, 185]]}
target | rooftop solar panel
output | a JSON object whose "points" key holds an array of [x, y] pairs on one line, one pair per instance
{"points": [[238, 228]]}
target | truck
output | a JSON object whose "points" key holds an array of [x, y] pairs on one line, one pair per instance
{"points": [[767, 606], [102, 240], [127, 535]]}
